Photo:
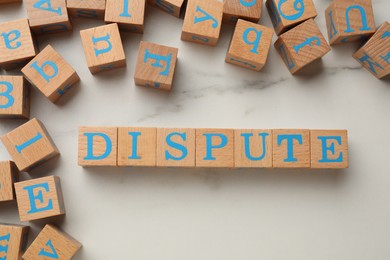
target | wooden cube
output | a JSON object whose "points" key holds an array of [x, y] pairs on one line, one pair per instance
{"points": [[301, 46], [16, 44], [250, 45], [50, 74], [98, 146], [173, 7], [48, 16], [30, 145], [252, 148], [202, 21], [249, 10], [8, 175], [128, 14], [287, 14], [93, 9], [10, 1], [137, 146], [375, 54], [214, 148], [103, 48], [155, 66], [349, 20], [14, 97], [51, 243], [329, 149], [175, 147], [291, 148], [13, 240], [39, 198]]}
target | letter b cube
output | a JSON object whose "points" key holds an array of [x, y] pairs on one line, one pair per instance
{"points": [[14, 97]]}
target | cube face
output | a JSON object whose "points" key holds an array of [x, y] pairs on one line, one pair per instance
{"points": [[14, 98], [155, 66], [93, 9], [50, 74], [349, 20], [39, 198], [8, 175], [242, 9], [250, 45], [301, 46], [128, 14], [375, 54], [291, 148], [202, 21], [30, 145], [103, 48], [98, 146], [175, 147], [13, 241], [172, 7]]}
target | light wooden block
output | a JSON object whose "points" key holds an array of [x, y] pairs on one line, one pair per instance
{"points": [[175, 147], [8, 175], [51, 243], [16, 44], [301, 46], [155, 66], [172, 7], [13, 241], [48, 16], [349, 20], [93, 9], [215, 148], [137, 146], [252, 148], [329, 149], [30, 145], [250, 45], [291, 148], [50, 74], [39, 198], [202, 21], [98, 146], [249, 10], [129, 15], [375, 54], [103, 48], [10, 1], [14, 98]]}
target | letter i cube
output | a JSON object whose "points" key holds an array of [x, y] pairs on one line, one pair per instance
{"points": [[8, 175], [301, 46], [172, 7], [94, 9], [155, 66], [249, 10], [13, 241], [103, 48], [127, 13], [14, 97], [50, 74], [250, 45], [375, 54], [30, 145]]}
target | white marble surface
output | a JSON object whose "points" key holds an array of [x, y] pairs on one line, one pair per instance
{"points": [[165, 214]]}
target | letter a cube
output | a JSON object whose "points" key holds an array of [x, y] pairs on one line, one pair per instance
{"points": [[8, 175], [301, 46], [155, 66], [14, 97], [39, 198], [349, 20], [30, 145], [202, 21], [172, 7], [86, 9], [103, 48], [51, 243], [250, 45], [13, 240], [249, 10], [375, 54], [127, 13]]}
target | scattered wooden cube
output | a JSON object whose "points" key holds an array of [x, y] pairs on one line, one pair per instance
{"points": [[103, 48], [287, 14], [8, 175], [173, 7], [301, 46], [51, 243], [155, 66], [202, 21], [252, 148], [17, 46], [175, 147], [137, 146], [14, 97], [375, 54], [30, 145], [13, 240], [349, 20], [10, 1], [50, 74], [250, 45], [39, 198], [128, 14], [291, 148], [249, 10], [98, 146], [94, 9]]}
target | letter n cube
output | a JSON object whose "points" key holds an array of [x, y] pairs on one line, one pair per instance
{"points": [[127, 13], [14, 97], [249, 10], [8, 175], [13, 240]]}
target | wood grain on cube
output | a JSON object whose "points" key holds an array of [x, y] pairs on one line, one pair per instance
{"points": [[10, 1], [13, 241], [249, 10], [172, 7], [15, 98], [9, 174], [129, 15], [93, 9]]}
